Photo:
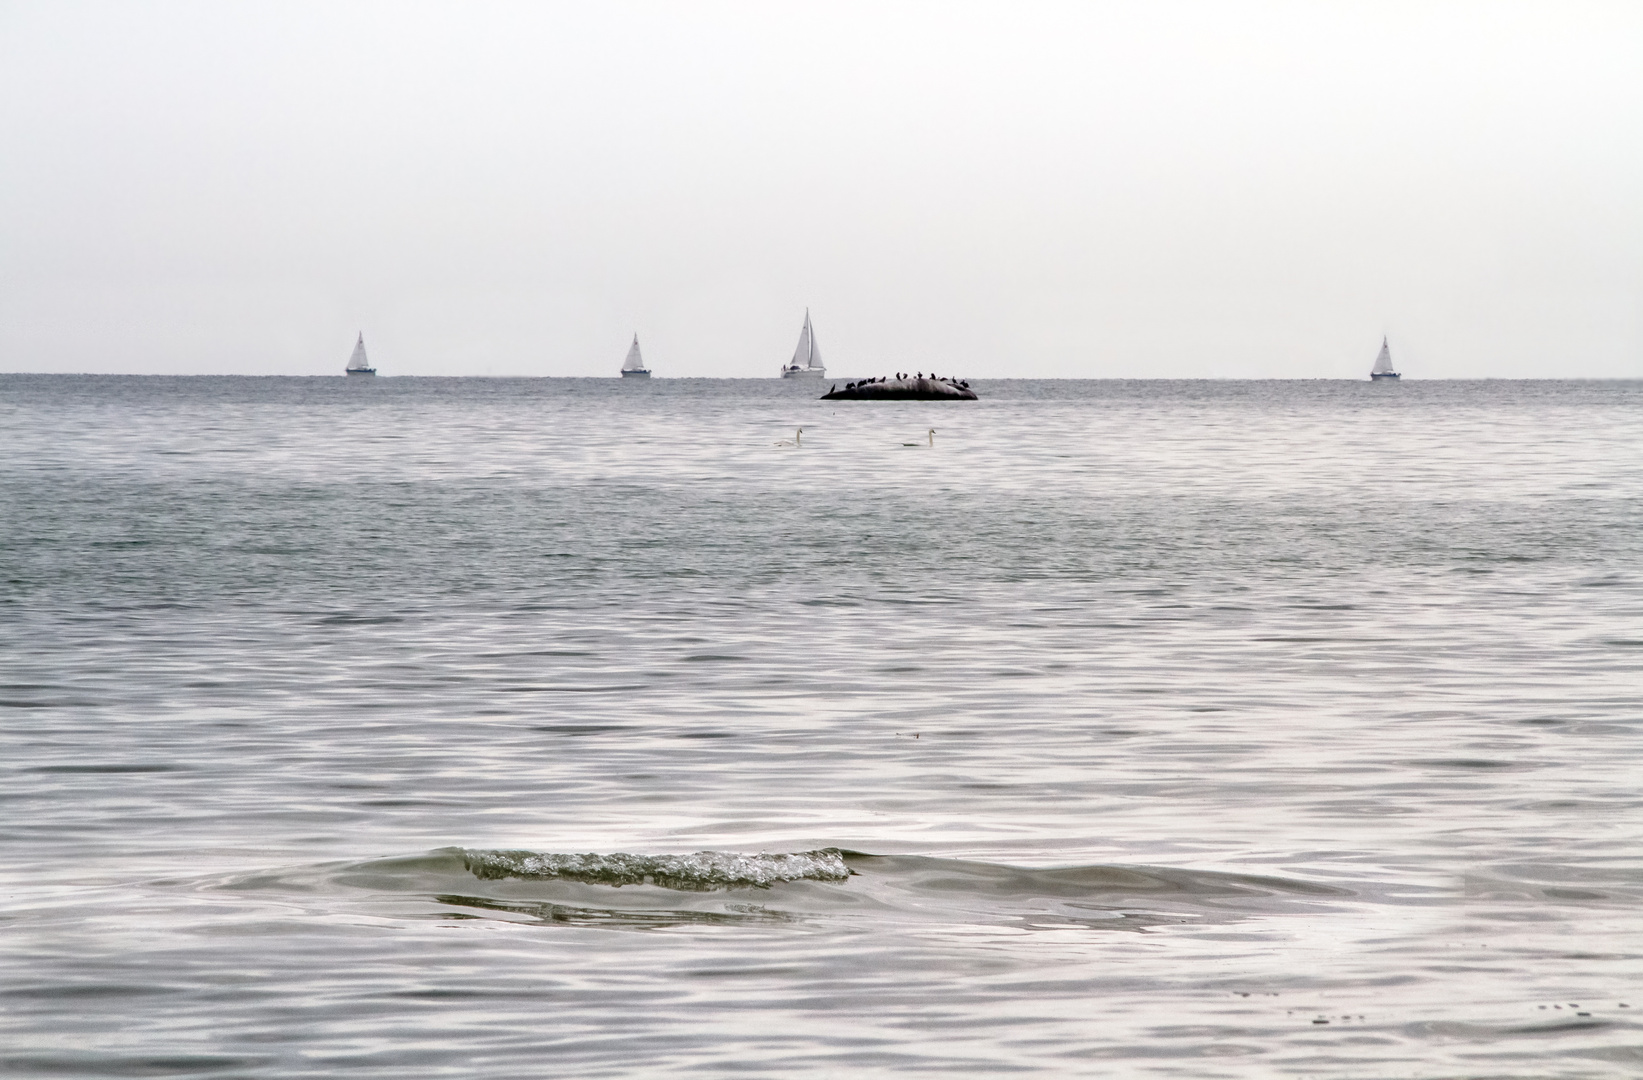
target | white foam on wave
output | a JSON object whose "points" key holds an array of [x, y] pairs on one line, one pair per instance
{"points": [[699, 871]]}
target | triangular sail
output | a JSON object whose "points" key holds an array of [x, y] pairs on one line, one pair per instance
{"points": [[1383, 362], [357, 362], [807, 355], [807, 345], [807, 358], [815, 353], [634, 362]]}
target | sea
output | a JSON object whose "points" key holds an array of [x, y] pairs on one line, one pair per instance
{"points": [[518, 728]]}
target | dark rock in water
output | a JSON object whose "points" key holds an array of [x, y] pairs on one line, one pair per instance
{"points": [[908, 389]]}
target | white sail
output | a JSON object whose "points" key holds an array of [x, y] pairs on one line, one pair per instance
{"points": [[634, 362], [802, 354], [1383, 362], [807, 355], [807, 360], [357, 362]]}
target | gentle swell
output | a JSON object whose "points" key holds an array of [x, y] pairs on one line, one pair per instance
{"points": [[703, 871]]}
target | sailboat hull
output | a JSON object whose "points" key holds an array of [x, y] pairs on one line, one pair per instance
{"points": [[804, 373], [635, 374], [362, 371], [1377, 376]]}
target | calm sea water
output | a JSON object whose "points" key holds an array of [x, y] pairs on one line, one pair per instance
{"points": [[522, 728]]}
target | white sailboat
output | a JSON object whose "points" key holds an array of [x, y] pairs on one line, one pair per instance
{"points": [[634, 366], [1383, 363], [357, 364], [807, 361]]}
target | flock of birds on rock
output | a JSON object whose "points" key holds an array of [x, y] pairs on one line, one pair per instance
{"points": [[904, 387], [900, 375]]}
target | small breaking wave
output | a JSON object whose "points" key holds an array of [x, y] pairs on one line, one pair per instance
{"points": [[703, 871], [725, 889]]}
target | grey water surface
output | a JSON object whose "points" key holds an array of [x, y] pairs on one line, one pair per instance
{"points": [[522, 728]]}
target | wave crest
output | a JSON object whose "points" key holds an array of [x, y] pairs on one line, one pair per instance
{"points": [[699, 872]]}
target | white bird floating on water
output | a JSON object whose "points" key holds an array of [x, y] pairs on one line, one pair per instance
{"points": [[794, 441], [932, 439]]}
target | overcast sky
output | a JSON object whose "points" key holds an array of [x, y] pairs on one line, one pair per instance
{"points": [[1012, 189]]}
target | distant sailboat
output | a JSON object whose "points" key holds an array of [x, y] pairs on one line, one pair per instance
{"points": [[357, 364], [1383, 363], [634, 366], [807, 361]]}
